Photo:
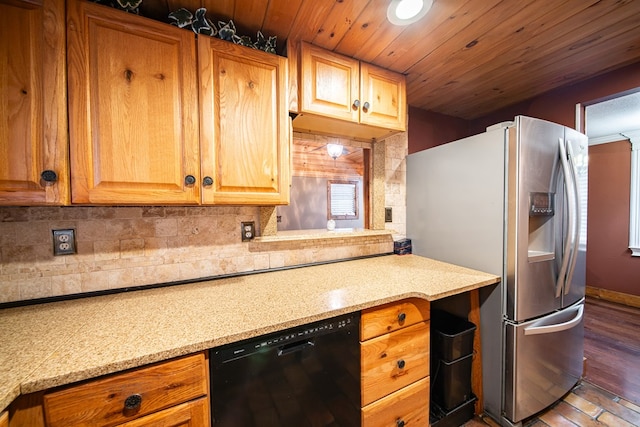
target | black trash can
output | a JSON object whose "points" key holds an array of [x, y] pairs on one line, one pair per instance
{"points": [[452, 355], [451, 336], [452, 382]]}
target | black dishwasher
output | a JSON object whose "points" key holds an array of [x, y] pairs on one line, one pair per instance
{"points": [[304, 376]]}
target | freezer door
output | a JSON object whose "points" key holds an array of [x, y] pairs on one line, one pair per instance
{"points": [[543, 361]]}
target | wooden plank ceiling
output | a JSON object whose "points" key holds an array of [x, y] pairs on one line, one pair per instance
{"points": [[310, 158], [465, 58]]}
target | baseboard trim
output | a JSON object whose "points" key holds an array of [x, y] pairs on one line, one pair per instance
{"points": [[614, 296]]}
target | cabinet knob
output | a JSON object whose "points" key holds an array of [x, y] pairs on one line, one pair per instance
{"points": [[133, 402], [401, 364], [366, 106], [207, 180], [399, 422], [189, 179], [49, 176], [356, 103], [402, 317]]}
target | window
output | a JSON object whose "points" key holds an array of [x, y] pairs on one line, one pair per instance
{"points": [[342, 199]]}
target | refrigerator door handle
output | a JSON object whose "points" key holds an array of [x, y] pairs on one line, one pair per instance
{"points": [[562, 274], [575, 212], [549, 329]]}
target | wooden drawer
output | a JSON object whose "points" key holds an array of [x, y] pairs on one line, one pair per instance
{"points": [[410, 405], [393, 361], [393, 316], [102, 401], [190, 414]]}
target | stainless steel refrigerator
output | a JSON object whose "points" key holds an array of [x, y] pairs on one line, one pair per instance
{"points": [[512, 202]]}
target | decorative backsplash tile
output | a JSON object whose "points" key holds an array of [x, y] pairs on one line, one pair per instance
{"points": [[119, 247]]}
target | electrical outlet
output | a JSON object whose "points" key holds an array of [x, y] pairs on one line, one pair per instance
{"points": [[248, 230], [64, 242], [388, 215]]}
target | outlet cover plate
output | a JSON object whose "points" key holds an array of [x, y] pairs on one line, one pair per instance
{"points": [[64, 242], [248, 230], [388, 215]]}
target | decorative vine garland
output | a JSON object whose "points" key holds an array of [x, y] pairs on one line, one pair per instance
{"points": [[200, 24]]}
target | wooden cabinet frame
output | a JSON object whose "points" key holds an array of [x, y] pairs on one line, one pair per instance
{"points": [[33, 96]]}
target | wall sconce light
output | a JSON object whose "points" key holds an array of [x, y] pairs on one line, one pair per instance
{"points": [[334, 150]]}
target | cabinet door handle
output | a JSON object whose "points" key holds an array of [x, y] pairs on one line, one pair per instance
{"points": [[133, 402], [189, 179], [49, 176], [207, 181], [401, 364], [356, 103], [366, 106], [399, 422], [402, 317]]}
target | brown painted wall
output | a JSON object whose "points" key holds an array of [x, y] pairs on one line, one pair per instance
{"points": [[609, 263], [427, 129], [560, 105]]}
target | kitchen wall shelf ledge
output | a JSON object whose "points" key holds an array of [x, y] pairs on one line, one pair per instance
{"points": [[304, 238]]}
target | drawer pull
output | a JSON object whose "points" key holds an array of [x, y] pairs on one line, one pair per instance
{"points": [[133, 402], [400, 422], [401, 364], [402, 317]]}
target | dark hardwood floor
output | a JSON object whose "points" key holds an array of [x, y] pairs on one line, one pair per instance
{"points": [[609, 394], [612, 347]]}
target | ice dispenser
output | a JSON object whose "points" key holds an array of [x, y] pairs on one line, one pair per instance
{"points": [[541, 226]]}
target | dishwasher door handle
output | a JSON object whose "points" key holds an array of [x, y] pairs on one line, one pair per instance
{"points": [[294, 347]]}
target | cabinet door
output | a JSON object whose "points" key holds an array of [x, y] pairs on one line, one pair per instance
{"points": [[132, 108], [33, 101], [244, 124], [383, 96], [329, 83], [190, 414]]}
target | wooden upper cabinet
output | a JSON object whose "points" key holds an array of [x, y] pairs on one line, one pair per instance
{"points": [[330, 83], [33, 101], [133, 104], [244, 124], [385, 94], [332, 86]]}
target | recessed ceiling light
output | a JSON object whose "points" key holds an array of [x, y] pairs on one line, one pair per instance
{"points": [[405, 12]]}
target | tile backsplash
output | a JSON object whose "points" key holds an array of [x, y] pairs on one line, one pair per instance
{"points": [[119, 247]]}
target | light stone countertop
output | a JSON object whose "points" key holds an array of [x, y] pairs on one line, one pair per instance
{"points": [[58, 343]]}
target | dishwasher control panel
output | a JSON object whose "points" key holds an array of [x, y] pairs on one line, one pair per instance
{"points": [[288, 336]]}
